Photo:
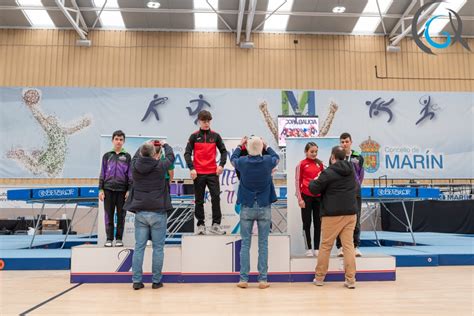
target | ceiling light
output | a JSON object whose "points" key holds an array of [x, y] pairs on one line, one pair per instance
{"points": [[37, 18], [110, 19], [278, 22], [368, 24], [153, 4], [339, 9], [205, 21], [203, 4]]}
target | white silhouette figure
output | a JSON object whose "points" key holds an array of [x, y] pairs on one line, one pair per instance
{"points": [[48, 161]]}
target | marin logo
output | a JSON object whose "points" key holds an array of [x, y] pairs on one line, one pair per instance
{"points": [[457, 30]]}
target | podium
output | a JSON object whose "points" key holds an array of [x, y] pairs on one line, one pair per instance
{"points": [[216, 259]]}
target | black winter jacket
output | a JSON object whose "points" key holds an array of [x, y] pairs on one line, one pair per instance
{"points": [[337, 186], [150, 190]]}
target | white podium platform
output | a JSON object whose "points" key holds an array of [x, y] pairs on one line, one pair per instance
{"points": [[214, 259]]}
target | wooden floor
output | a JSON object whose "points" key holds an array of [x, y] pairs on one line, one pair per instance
{"points": [[417, 291]]}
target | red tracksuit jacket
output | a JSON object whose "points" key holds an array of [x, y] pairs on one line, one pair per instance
{"points": [[204, 144]]}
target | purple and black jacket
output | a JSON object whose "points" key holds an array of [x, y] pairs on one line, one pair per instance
{"points": [[115, 173]]}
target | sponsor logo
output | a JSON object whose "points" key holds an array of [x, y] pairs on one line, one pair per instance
{"points": [[457, 30], [56, 192]]}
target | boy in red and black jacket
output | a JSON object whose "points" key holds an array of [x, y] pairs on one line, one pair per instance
{"points": [[205, 172]]}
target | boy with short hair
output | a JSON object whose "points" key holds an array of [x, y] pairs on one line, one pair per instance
{"points": [[115, 181], [202, 146]]}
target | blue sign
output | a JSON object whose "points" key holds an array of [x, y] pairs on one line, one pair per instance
{"points": [[88, 192], [429, 193], [55, 193], [366, 192], [19, 195], [392, 192]]}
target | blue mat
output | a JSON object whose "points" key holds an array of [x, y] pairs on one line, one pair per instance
{"points": [[432, 249], [35, 259], [43, 241]]}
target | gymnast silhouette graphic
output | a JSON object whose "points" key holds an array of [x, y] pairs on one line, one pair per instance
{"points": [[50, 158]]}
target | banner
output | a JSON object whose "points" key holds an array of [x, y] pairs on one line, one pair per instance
{"points": [[55, 132], [297, 126]]}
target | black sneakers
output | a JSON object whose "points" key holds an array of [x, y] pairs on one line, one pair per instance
{"points": [[137, 286], [157, 285], [140, 285]]}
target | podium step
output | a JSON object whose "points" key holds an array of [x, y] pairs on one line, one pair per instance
{"points": [[216, 259]]}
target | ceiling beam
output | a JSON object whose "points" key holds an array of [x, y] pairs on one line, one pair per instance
{"points": [[240, 19], [401, 21], [74, 22], [423, 17], [219, 16], [381, 17], [269, 15], [236, 12], [79, 16], [250, 17]]}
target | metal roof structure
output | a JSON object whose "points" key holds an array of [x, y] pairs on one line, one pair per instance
{"points": [[392, 18]]}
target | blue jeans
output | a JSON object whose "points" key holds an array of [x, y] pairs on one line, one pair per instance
{"points": [[146, 222], [263, 216]]}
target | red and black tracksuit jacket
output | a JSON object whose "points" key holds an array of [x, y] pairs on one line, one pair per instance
{"points": [[204, 144]]}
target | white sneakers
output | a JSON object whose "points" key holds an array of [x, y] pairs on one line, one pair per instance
{"points": [[215, 229], [318, 282], [357, 252], [201, 230], [261, 285], [349, 285], [118, 243], [311, 253]]}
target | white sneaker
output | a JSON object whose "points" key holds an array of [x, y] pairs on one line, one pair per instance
{"points": [[148, 243], [118, 243], [201, 230], [318, 283], [357, 252], [316, 253], [340, 253], [349, 285], [309, 253], [108, 243], [216, 229]]}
